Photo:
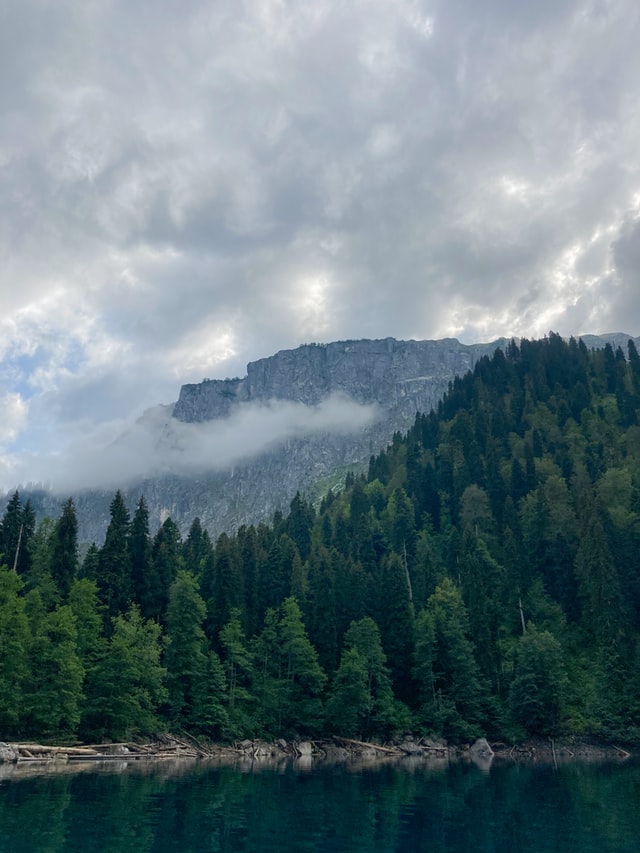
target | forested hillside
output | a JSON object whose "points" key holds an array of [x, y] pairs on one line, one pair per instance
{"points": [[484, 578]]}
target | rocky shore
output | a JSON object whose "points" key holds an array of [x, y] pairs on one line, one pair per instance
{"points": [[309, 752]]}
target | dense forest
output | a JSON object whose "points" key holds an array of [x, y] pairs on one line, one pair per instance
{"points": [[482, 578]]}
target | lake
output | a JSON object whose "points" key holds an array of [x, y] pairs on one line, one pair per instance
{"points": [[381, 807]]}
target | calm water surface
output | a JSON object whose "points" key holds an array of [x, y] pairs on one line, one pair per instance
{"points": [[201, 807]]}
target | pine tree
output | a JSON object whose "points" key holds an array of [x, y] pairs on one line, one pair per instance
{"points": [[321, 607], [304, 679], [129, 682], [384, 714], [14, 643], [350, 702], [450, 690], [228, 592], [53, 692], [239, 670], [140, 555], [114, 579], [166, 561], [64, 549], [187, 658], [11, 531], [396, 618], [537, 692]]}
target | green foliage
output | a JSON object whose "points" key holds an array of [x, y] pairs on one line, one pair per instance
{"points": [[239, 669], [383, 712], [64, 549], [53, 690], [516, 503], [537, 693], [446, 668], [128, 683], [350, 703], [14, 646]]}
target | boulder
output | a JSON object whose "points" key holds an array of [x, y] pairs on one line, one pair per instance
{"points": [[8, 754], [481, 749]]}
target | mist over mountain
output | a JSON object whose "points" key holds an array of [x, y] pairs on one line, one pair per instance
{"points": [[232, 451]]}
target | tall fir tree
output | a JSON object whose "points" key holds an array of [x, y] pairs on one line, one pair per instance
{"points": [[114, 571]]}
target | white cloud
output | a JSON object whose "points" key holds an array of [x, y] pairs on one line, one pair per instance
{"points": [[113, 455]]}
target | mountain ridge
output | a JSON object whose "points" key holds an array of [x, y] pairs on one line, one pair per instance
{"points": [[400, 378]]}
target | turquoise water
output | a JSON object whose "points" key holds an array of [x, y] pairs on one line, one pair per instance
{"points": [[382, 808]]}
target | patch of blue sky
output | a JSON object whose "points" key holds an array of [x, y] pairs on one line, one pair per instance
{"points": [[22, 371]]}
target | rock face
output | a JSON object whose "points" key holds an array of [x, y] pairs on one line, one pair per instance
{"points": [[400, 377]]}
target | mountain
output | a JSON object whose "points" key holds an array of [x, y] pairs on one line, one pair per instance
{"points": [[232, 451]]}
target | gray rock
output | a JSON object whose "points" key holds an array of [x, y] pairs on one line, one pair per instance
{"points": [[304, 748], [8, 754], [481, 749], [410, 747]]}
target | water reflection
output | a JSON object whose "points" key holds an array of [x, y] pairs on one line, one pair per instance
{"points": [[294, 806]]}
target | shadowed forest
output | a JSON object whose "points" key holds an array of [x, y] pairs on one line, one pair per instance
{"points": [[483, 578]]}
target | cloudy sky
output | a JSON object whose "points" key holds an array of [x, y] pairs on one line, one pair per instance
{"points": [[188, 185]]}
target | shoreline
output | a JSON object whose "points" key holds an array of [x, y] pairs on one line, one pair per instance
{"points": [[22, 757]]}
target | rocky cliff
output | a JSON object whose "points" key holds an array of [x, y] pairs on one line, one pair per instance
{"points": [[399, 377]]}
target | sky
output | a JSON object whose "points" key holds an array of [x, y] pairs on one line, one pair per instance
{"points": [[190, 185]]}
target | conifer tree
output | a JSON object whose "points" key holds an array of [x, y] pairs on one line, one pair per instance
{"points": [[114, 579], [239, 670], [537, 693], [129, 682], [227, 591], [166, 561], [190, 671], [140, 555], [350, 701], [384, 713], [11, 531], [450, 689], [64, 549], [53, 692], [14, 644], [396, 618]]}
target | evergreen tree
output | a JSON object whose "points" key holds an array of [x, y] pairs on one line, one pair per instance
{"points": [[187, 660], [166, 561], [11, 532], [349, 705], [384, 713], [321, 607], [129, 682], [87, 612], [396, 623], [537, 692], [289, 680], [114, 579], [140, 556], [228, 592], [298, 525], [303, 676], [53, 691], [196, 549], [64, 549], [239, 670], [450, 690], [14, 644]]}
